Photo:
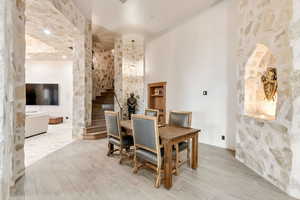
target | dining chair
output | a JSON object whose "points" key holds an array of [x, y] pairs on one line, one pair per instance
{"points": [[181, 119], [115, 136], [147, 148], [152, 112]]}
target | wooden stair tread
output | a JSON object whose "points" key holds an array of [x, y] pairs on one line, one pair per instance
{"points": [[89, 132], [96, 126], [97, 130], [95, 135]]}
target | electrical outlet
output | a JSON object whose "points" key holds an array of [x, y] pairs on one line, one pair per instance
{"points": [[67, 117], [204, 92], [223, 137]]}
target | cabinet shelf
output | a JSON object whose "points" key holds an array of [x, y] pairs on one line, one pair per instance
{"points": [[157, 99], [157, 95]]}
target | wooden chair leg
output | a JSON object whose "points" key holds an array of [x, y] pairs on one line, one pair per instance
{"points": [[135, 168], [188, 154], [110, 149], [158, 178], [177, 161], [121, 155]]}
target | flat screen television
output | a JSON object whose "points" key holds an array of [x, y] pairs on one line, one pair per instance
{"points": [[42, 94]]}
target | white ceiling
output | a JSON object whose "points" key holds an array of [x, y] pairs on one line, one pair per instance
{"points": [[148, 17]]}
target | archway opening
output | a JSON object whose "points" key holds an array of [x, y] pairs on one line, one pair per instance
{"points": [[261, 84]]}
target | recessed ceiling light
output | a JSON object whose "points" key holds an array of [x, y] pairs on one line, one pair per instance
{"points": [[64, 57], [123, 1], [47, 32]]}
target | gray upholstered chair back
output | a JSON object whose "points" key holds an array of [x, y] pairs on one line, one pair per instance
{"points": [[182, 119], [112, 123], [151, 112], [144, 132]]}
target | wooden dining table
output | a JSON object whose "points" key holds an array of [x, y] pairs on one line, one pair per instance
{"points": [[170, 136]]}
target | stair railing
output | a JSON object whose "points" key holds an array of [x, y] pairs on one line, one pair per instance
{"points": [[121, 108]]}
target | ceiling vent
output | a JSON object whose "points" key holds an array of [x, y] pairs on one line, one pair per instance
{"points": [[123, 1]]}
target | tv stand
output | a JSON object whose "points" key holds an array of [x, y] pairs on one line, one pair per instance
{"points": [[56, 120], [36, 123]]}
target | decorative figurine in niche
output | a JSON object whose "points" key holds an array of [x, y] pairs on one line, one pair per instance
{"points": [[131, 103], [270, 84]]}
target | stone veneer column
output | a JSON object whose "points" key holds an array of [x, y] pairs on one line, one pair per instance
{"points": [[269, 147], [294, 185], [82, 74], [129, 71], [12, 93], [82, 82], [118, 80]]}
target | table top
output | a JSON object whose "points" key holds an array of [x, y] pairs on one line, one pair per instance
{"points": [[172, 132], [165, 132]]}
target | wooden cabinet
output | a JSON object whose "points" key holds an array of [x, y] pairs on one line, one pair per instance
{"points": [[56, 120], [157, 99]]}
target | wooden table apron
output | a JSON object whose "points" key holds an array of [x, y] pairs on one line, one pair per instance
{"points": [[169, 137]]}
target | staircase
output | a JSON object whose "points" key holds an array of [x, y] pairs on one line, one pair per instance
{"points": [[98, 128]]}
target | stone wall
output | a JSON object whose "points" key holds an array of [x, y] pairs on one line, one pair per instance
{"points": [[129, 71], [40, 46], [12, 84], [103, 72], [71, 12], [12, 93], [18, 61], [82, 69], [266, 146], [294, 187], [256, 102], [88, 94], [82, 82], [118, 65]]}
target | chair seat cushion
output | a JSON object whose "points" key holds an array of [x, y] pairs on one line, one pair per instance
{"points": [[150, 156], [114, 141], [146, 155], [127, 141], [183, 146]]}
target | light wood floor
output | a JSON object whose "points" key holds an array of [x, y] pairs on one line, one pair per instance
{"points": [[82, 171]]}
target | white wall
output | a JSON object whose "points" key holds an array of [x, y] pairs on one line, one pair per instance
{"points": [[195, 56], [59, 72]]}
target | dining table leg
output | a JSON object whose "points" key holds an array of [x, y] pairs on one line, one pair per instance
{"points": [[168, 164], [195, 151]]}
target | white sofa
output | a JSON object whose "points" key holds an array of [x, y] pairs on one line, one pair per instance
{"points": [[36, 123]]}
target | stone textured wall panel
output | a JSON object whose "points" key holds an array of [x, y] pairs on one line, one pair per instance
{"points": [[42, 15], [82, 82], [133, 70], [263, 145], [72, 13], [129, 71], [294, 186], [18, 75], [12, 86], [82, 67], [103, 73], [12, 93], [118, 55]]}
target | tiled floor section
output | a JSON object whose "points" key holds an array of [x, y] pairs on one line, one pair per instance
{"points": [[40, 146], [82, 171]]}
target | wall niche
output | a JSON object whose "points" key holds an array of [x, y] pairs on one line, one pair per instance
{"points": [[261, 84]]}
